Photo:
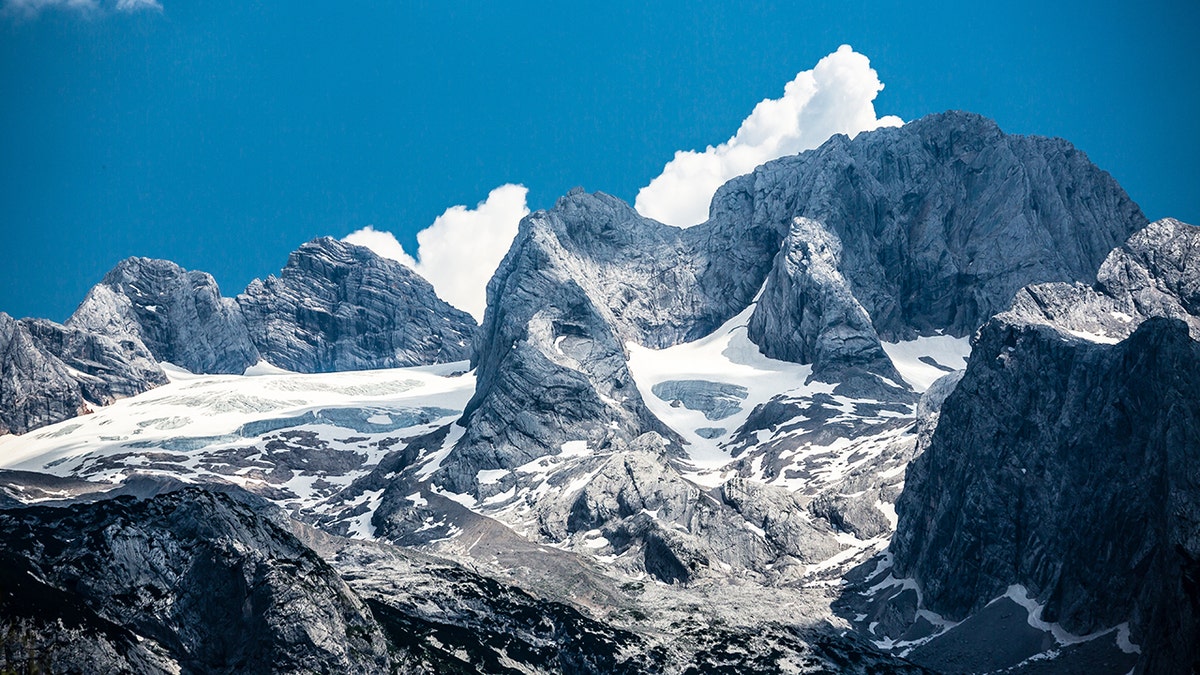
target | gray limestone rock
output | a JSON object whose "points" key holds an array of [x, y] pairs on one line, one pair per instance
{"points": [[636, 500], [1069, 467], [942, 220], [336, 306], [808, 313], [179, 315], [193, 579], [1155, 273], [50, 372]]}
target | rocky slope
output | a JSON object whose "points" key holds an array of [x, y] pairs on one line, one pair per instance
{"points": [[336, 306], [50, 372], [1062, 472], [189, 581]]}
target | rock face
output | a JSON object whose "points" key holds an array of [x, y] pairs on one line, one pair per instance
{"points": [[336, 306], [808, 312], [187, 581], [924, 229], [50, 372], [1155, 273], [1066, 462], [179, 315], [942, 220]]}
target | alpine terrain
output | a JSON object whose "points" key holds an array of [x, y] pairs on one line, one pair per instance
{"points": [[924, 400]]}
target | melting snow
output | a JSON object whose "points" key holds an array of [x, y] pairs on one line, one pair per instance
{"points": [[727, 356], [912, 358]]}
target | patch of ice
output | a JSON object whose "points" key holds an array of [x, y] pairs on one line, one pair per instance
{"points": [[726, 356], [264, 367], [949, 352], [490, 476]]}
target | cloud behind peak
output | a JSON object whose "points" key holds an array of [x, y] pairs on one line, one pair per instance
{"points": [[836, 96]]}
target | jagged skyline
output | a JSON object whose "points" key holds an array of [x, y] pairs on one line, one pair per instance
{"points": [[184, 132]]}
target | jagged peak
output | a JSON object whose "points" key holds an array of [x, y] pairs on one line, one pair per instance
{"points": [[135, 267]]}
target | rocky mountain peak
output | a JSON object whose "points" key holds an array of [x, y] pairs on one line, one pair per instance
{"points": [[337, 306], [180, 316]]}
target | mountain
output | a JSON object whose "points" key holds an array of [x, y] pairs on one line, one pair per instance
{"points": [[1061, 476], [335, 307], [788, 439], [918, 231]]}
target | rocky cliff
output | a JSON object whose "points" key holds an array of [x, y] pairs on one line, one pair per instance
{"points": [[179, 315], [1064, 462], [336, 306], [50, 372]]}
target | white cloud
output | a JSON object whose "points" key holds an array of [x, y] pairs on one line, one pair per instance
{"points": [[834, 97], [138, 5], [461, 249], [27, 9], [382, 242]]}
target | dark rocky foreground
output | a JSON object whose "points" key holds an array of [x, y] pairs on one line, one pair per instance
{"points": [[1065, 465], [195, 581]]}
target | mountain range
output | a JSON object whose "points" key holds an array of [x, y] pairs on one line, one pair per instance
{"points": [[924, 400]]}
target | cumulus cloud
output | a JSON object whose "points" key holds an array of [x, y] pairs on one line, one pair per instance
{"points": [[836, 96], [28, 9], [460, 251]]}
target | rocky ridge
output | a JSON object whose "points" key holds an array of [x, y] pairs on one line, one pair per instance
{"points": [[1062, 473], [335, 307], [50, 372]]}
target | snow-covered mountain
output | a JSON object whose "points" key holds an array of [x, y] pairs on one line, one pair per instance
{"points": [[796, 437]]}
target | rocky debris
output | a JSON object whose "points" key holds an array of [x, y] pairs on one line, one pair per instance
{"points": [[482, 624], [191, 577], [50, 372], [1155, 273], [1068, 467], [179, 315], [337, 306], [636, 506]]}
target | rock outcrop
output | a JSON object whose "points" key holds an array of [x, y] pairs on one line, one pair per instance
{"points": [[808, 313], [50, 372], [1065, 459], [188, 581], [337, 306], [1155, 273], [179, 315]]}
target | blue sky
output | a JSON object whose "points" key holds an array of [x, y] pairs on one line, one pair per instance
{"points": [[223, 134]]}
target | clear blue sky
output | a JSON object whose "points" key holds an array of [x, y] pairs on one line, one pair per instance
{"points": [[223, 134]]}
